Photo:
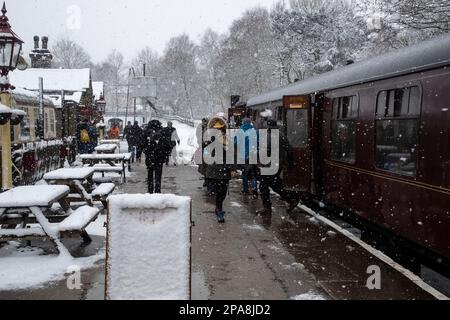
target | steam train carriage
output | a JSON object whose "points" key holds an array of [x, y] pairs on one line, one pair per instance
{"points": [[372, 139], [32, 156]]}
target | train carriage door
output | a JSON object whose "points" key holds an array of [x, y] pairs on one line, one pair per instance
{"points": [[297, 126]]}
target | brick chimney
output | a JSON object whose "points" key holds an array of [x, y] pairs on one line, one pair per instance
{"points": [[41, 58]]}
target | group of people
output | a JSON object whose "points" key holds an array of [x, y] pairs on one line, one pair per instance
{"points": [[158, 143], [218, 176]]}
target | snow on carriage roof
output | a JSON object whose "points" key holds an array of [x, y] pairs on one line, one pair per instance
{"points": [[54, 79], [427, 55]]}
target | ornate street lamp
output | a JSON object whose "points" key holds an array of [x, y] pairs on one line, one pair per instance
{"points": [[10, 59], [10, 49]]}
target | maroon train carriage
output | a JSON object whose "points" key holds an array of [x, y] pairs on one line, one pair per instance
{"points": [[372, 139]]}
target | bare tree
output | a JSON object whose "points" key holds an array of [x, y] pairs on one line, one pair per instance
{"points": [[429, 15], [70, 55], [179, 63]]}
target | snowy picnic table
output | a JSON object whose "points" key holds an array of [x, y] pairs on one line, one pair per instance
{"points": [[109, 141], [79, 180], [106, 149], [34, 205], [81, 183], [115, 163]]}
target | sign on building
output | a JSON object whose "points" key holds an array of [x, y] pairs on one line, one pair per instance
{"points": [[143, 87]]}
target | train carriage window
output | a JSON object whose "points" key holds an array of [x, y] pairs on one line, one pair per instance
{"points": [[298, 128], [343, 141], [397, 128]]}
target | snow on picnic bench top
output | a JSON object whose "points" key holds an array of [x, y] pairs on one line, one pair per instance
{"points": [[69, 174], [103, 189], [120, 156], [109, 141], [79, 219], [106, 147], [32, 196]]}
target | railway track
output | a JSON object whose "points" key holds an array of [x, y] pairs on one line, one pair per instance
{"points": [[427, 278]]}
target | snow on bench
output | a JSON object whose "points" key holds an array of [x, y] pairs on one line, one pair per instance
{"points": [[10, 234], [106, 148], [103, 190], [103, 168], [69, 174], [148, 247], [79, 219]]}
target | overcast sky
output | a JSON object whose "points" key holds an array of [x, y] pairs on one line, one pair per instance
{"points": [[128, 25]]}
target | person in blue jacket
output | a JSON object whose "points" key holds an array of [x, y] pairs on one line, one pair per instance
{"points": [[248, 143]]}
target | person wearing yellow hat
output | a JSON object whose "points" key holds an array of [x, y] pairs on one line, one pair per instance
{"points": [[218, 175]]}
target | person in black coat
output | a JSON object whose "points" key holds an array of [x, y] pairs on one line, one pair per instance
{"points": [[136, 137], [275, 182], [155, 146]]}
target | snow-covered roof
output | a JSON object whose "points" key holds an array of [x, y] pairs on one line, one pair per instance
{"points": [[97, 89], [54, 79], [28, 97], [427, 55]]}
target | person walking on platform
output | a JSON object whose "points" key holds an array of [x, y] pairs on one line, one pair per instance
{"points": [[275, 181], [248, 137], [137, 134], [114, 132], [155, 146], [172, 135], [86, 137], [128, 135], [218, 174]]}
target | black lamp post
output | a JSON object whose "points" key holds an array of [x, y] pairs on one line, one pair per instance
{"points": [[10, 49], [10, 59]]}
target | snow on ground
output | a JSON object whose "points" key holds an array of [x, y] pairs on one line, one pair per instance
{"points": [[253, 227], [149, 247], [188, 139], [25, 268], [308, 296]]}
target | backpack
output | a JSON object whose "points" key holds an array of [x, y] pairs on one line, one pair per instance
{"points": [[84, 136]]}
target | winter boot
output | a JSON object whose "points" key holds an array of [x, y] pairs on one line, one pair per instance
{"points": [[293, 205], [220, 216], [267, 211]]}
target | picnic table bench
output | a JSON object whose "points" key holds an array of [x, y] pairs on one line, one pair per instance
{"points": [[80, 182], [106, 149], [103, 163], [37, 201], [109, 141]]}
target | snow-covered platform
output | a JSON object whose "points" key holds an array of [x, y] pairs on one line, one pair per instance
{"points": [[296, 256]]}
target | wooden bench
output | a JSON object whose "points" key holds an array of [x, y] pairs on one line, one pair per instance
{"points": [[108, 169], [78, 221], [102, 192]]}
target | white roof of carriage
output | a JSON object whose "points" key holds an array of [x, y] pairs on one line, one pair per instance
{"points": [[54, 79]]}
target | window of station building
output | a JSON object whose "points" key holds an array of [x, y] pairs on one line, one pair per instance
{"points": [[25, 130], [397, 130], [343, 140]]}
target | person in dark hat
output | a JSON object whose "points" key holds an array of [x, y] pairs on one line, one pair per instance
{"points": [[155, 146], [275, 181]]}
